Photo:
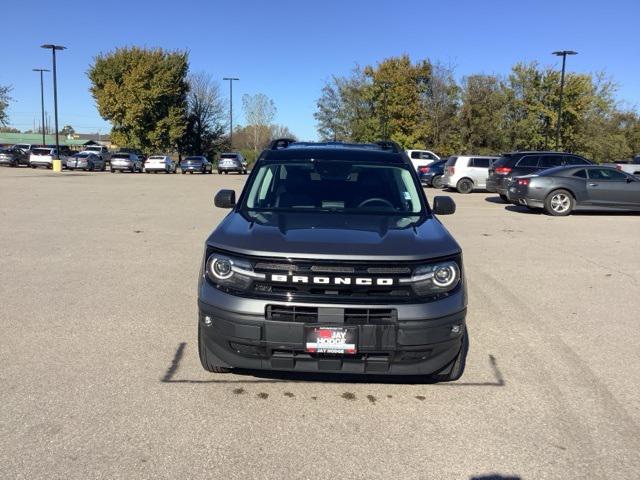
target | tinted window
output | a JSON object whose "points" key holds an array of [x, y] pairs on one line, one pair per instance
{"points": [[607, 174], [529, 161], [480, 162], [504, 161], [580, 174], [451, 161], [549, 161], [229, 155], [120, 155], [571, 160]]}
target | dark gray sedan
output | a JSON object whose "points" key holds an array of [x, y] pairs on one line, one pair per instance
{"points": [[561, 190]]}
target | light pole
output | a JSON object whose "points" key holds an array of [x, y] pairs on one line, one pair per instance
{"points": [[563, 54], [57, 166], [231, 80], [41, 70]]}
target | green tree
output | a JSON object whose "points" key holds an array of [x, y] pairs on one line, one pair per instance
{"points": [[4, 104], [481, 114], [142, 92], [67, 130]]}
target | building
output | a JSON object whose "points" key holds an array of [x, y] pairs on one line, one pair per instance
{"points": [[76, 142]]}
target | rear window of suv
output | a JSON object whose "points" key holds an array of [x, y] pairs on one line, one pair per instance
{"points": [[528, 161], [451, 161], [505, 161], [229, 155]]}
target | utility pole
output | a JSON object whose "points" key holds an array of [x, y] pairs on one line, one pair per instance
{"points": [[563, 54], [42, 70], [57, 166], [231, 80]]}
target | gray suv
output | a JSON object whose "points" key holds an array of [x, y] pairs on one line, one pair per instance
{"points": [[331, 260], [232, 162]]}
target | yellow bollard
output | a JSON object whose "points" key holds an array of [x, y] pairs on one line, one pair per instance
{"points": [[57, 165]]}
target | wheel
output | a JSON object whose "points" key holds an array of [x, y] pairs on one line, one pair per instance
{"points": [[91, 167], [219, 172], [32, 166], [464, 186], [504, 198], [205, 359], [436, 182], [112, 170], [559, 203], [455, 369], [183, 172], [104, 167], [244, 172]]}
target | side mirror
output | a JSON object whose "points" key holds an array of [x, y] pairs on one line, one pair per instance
{"points": [[225, 199], [443, 205]]}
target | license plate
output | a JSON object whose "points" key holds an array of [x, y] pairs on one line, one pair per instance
{"points": [[331, 340]]}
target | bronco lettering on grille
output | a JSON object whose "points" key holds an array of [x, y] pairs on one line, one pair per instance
{"points": [[332, 280]]}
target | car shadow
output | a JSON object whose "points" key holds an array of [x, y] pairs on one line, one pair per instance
{"points": [[265, 376], [494, 199], [577, 213], [495, 476]]}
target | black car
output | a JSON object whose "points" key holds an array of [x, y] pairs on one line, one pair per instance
{"points": [[561, 190], [332, 260], [516, 164], [13, 157], [431, 175], [197, 163]]}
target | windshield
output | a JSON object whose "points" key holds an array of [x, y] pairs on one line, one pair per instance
{"points": [[321, 186], [231, 156], [41, 151]]}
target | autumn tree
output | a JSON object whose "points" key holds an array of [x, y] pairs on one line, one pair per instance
{"points": [[143, 93]]}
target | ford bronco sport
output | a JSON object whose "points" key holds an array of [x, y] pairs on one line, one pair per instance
{"points": [[331, 260]]}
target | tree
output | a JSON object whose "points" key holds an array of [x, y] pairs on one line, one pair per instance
{"points": [[67, 130], [4, 104], [142, 92], [481, 114], [205, 116], [280, 131], [10, 130], [259, 112]]}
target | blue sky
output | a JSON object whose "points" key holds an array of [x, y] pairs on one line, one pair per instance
{"points": [[286, 49]]}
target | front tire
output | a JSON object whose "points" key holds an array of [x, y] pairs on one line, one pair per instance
{"points": [[455, 369], [205, 359], [464, 186], [559, 203]]}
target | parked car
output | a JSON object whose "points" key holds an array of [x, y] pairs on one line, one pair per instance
{"points": [[13, 157], [122, 161], [100, 150], [632, 167], [421, 158], [332, 261], [86, 161], [44, 156], [467, 173], [517, 164], [196, 163], [431, 175], [561, 190], [232, 162], [160, 163], [25, 147]]}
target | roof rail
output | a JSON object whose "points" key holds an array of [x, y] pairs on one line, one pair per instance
{"points": [[280, 143], [389, 145]]}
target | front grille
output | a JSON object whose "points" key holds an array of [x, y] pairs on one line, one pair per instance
{"points": [[334, 292], [352, 316]]}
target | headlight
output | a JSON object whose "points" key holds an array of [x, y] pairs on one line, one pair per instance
{"points": [[433, 279], [232, 273]]}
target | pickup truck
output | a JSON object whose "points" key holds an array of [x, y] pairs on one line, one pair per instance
{"points": [[631, 167]]}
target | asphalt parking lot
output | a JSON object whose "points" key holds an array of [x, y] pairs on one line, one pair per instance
{"points": [[101, 379]]}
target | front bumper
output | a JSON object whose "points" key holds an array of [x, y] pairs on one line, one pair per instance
{"points": [[424, 339]]}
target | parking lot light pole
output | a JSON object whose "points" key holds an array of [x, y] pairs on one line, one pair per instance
{"points": [[563, 54], [231, 80], [57, 165], [42, 70]]}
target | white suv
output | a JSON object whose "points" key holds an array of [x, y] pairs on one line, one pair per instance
{"points": [[467, 173], [421, 158]]}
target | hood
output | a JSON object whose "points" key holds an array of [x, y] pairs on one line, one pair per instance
{"points": [[334, 236]]}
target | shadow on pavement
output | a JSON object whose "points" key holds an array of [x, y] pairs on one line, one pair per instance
{"points": [[494, 199], [494, 476], [260, 376]]}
